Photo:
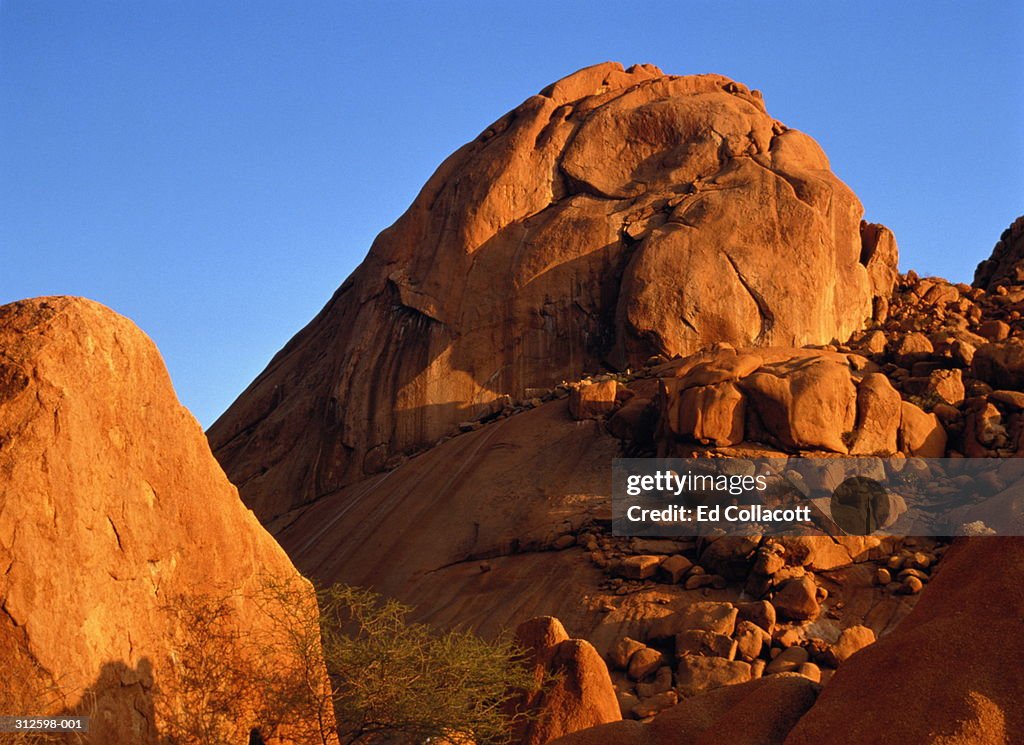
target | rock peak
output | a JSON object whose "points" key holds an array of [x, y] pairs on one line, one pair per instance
{"points": [[620, 213]]}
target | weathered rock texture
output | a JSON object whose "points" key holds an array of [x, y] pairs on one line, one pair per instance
{"points": [[945, 675], [111, 508], [615, 215]]}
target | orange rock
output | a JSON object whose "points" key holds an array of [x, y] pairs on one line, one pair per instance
{"points": [[113, 513], [593, 400], [1006, 264], [812, 407], [617, 215], [921, 434], [712, 413], [582, 694], [1000, 364], [878, 416]]}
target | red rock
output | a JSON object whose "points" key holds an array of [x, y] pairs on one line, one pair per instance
{"points": [[811, 407], [720, 367], [966, 621], [705, 644], [675, 568], [615, 216], [699, 674], [947, 385], [713, 413], [640, 567], [851, 640], [719, 618], [644, 662], [114, 516], [1000, 364], [994, 330], [757, 712]]}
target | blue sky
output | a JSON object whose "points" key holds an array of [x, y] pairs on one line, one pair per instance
{"points": [[214, 170]]}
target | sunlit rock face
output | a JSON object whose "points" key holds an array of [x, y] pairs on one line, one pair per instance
{"points": [[615, 215], [114, 519]]}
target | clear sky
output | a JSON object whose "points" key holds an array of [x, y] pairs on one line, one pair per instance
{"points": [[214, 170]]}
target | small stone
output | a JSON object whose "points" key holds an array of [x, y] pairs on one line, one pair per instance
{"points": [[788, 661], [760, 613], [649, 707], [787, 638], [750, 639], [622, 651], [797, 600], [698, 674], [851, 640], [912, 585], [697, 581], [662, 682], [809, 670], [994, 330], [705, 644], [564, 542], [644, 662], [640, 567], [675, 567], [883, 576], [918, 560]]}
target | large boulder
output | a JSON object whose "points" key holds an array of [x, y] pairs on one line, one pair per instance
{"points": [[119, 534], [945, 674], [793, 399], [576, 691], [616, 215]]}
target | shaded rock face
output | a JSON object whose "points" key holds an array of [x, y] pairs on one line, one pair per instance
{"points": [[945, 674], [111, 508], [616, 215], [1006, 264], [757, 712]]}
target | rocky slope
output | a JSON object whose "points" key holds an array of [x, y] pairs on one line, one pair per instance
{"points": [[114, 519], [616, 215], [609, 270], [510, 519]]}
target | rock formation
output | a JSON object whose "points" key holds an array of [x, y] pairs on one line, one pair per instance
{"points": [[114, 518], [1006, 264], [616, 215], [945, 675], [576, 692]]}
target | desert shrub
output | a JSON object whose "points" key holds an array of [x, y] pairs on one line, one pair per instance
{"points": [[394, 679], [391, 680]]}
